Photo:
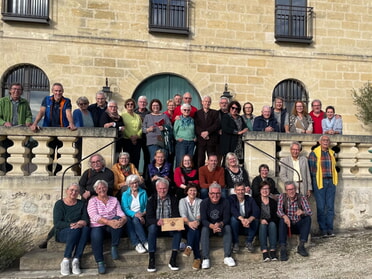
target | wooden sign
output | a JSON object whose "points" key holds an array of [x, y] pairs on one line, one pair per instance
{"points": [[172, 224]]}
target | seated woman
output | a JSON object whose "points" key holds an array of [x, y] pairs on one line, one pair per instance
{"points": [[133, 203], [189, 208], [158, 168], [70, 221], [300, 121], [185, 174], [122, 169], [269, 221], [235, 174], [106, 216], [263, 169], [331, 124]]}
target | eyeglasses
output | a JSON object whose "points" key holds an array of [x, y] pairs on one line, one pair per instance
{"points": [[187, 98], [291, 189], [235, 108], [186, 110], [113, 107], [96, 162], [130, 104], [215, 194], [265, 189], [82, 104]]}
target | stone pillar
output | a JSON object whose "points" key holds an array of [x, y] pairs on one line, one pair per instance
{"points": [[364, 157], [68, 153], [347, 159], [42, 155], [19, 155]]}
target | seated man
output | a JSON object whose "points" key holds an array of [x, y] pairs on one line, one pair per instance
{"points": [[162, 205], [215, 218], [294, 212], [211, 173], [244, 219]]}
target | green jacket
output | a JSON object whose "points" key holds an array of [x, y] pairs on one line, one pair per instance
{"points": [[6, 113]]}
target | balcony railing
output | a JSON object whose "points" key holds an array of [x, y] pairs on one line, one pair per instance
{"points": [[294, 24], [169, 16], [26, 11]]}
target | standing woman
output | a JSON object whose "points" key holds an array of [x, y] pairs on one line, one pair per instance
{"points": [[111, 119], [70, 221], [233, 127], [105, 215], [153, 124], [300, 121], [82, 116], [235, 174], [184, 133], [171, 105], [248, 115], [132, 132]]}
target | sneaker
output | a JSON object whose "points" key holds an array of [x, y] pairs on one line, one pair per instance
{"points": [[172, 265], [324, 234], [139, 248], [65, 267], [283, 254], [206, 264], [265, 256], [235, 248], [229, 261], [101, 268], [249, 247], [151, 267], [330, 234], [196, 264], [182, 246], [114, 253], [76, 266], [273, 255], [302, 250], [146, 245], [187, 251]]}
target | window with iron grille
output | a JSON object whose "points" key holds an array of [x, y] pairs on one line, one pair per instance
{"points": [[293, 21], [169, 16], [290, 90], [26, 11]]}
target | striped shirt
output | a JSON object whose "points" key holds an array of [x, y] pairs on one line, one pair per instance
{"points": [[97, 210]]}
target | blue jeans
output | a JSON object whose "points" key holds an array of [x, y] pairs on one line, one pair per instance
{"points": [[237, 228], [325, 205], [183, 148], [75, 239], [97, 236], [302, 227], [154, 230], [193, 240], [269, 230], [227, 239], [136, 231]]}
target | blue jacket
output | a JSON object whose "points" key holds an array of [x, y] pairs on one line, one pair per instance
{"points": [[261, 123], [250, 206], [126, 201], [64, 104], [78, 118]]}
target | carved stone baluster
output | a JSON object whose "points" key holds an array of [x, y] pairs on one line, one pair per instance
{"points": [[2, 159], [42, 155], [347, 159], [67, 152], [364, 157], [19, 155]]}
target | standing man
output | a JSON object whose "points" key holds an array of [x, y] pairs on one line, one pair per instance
{"points": [[209, 174], [322, 163], [187, 99], [177, 99], [295, 217], [215, 219], [281, 115], [224, 104], [56, 110], [301, 165], [159, 206], [98, 108], [15, 110], [265, 122], [317, 115], [207, 125]]}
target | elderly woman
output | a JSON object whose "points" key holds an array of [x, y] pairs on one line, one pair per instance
{"points": [[269, 221], [235, 174], [133, 203], [70, 220], [184, 133], [184, 175], [112, 119], [300, 121], [105, 215], [159, 168], [82, 116], [263, 170], [248, 115], [171, 105], [132, 132], [122, 169], [189, 208], [331, 124]]}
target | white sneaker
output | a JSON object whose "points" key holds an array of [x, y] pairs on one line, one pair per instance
{"points": [[229, 261], [146, 245], [206, 264], [139, 248], [76, 266], [65, 267]]}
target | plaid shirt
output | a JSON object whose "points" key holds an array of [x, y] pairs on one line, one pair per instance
{"points": [[292, 207], [164, 208], [325, 162]]}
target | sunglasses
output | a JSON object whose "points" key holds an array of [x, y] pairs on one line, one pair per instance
{"points": [[81, 104], [235, 108], [130, 104]]}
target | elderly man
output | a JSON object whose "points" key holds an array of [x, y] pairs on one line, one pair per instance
{"points": [[97, 171], [15, 110], [211, 173], [322, 163], [187, 99], [295, 217], [265, 122], [159, 206], [215, 219], [177, 98], [244, 217], [301, 165], [281, 115], [207, 125], [98, 108], [224, 104]]}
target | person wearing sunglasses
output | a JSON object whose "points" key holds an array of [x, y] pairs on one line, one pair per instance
{"points": [[82, 116]]}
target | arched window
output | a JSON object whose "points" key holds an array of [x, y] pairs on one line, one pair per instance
{"points": [[34, 81], [290, 90]]}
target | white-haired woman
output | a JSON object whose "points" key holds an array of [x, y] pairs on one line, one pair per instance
{"points": [[82, 116], [235, 174], [105, 215]]}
